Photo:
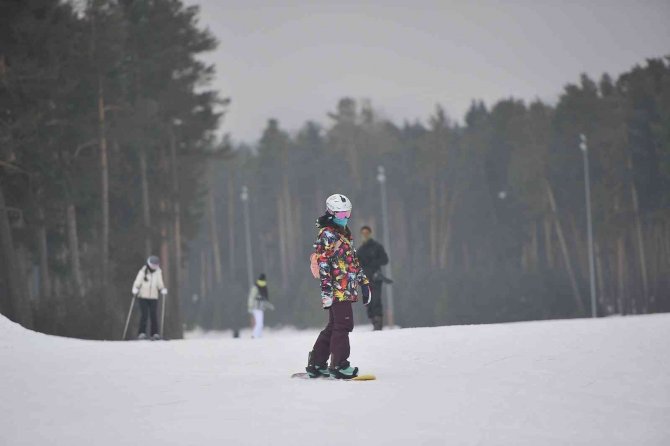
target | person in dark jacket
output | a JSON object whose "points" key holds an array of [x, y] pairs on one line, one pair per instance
{"points": [[372, 256]]}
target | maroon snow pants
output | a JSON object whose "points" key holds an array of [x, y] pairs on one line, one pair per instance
{"points": [[334, 339]]}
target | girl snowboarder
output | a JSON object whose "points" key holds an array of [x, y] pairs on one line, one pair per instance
{"points": [[340, 274], [148, 284], [257, 303]]}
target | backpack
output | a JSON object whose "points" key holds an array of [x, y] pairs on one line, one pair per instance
{"points": [[314, 265]]}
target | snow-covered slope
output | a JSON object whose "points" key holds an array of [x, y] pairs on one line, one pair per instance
{"points": [[590, 382]]}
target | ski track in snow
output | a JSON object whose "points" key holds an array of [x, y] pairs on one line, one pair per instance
{"points": [[572, 382]]}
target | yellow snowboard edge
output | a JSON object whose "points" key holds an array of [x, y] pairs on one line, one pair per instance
{"points": [[364, 378]]}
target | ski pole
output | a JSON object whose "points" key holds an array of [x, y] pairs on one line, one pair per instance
{"points": [[130, 311], [163, 315]]}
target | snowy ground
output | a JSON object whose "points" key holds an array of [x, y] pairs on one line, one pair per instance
{"points": [[590, 382]]}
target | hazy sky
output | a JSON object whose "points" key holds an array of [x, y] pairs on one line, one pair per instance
{"points": [[293, 60]]}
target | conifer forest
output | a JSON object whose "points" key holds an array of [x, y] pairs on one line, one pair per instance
{"points": [[110, 151]]}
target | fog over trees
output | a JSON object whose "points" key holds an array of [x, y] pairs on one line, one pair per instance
{"points": [[487, 218], [109, 152]]}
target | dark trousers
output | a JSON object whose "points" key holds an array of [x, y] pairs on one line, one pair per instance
{"points": [[334, 339], [148, 309], [375, 311]]}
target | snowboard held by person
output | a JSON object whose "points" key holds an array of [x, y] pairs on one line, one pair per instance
{"points": [[147, 286], [340, 274]]}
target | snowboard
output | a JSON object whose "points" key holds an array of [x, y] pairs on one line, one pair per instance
{"points": [[304, 375]]}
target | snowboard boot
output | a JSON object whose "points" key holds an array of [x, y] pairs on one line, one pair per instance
{"points": [[141, 336], [343, 371], [156, 337], [315, 370]]}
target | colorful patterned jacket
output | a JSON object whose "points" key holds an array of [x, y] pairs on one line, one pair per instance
{"points": [[340, 272]]}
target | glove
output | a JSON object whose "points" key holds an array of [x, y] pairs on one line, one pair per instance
{"points": [[367, 294], [135, 291], [164, 291], [326, 302]]}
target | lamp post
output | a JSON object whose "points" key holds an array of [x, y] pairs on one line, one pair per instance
{"points": [[381, 177], [244, 196], [589, 223]]}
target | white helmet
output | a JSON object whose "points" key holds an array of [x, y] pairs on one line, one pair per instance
{"points": [[153, 262], [338, 203]]}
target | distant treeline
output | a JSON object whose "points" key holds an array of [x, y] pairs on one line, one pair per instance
{"points": [[488, 219], [105, 130], [107, 154]]}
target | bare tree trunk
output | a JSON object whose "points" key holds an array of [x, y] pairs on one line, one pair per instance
{"points": [[23, 266], [444, 250], [665, 235], [214, 236], [400, 246], [443, 224], [176, 210], [450, 205], [146, 209], [621, 274], [580, 247], [296, 219], [602, 296], [15, 305], [534, 256], [231, 225], [173, 328], [548, 246], [73, 248], [203, 275], [210, 274], [660, 254], [281, 209], [102, 143], [564, 249], [655, 264], [164, 245], [289, 226], [640, 246], [432, 222], [262, 247], [286, 226], [173, 306], [45, 279], [104, 182]]}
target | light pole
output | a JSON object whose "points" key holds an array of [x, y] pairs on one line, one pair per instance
{"points": [[381, 177], [250, 266], [589, 222]]}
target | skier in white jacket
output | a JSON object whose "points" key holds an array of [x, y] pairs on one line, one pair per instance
{"points": [[257, 302], [147, 286]]}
